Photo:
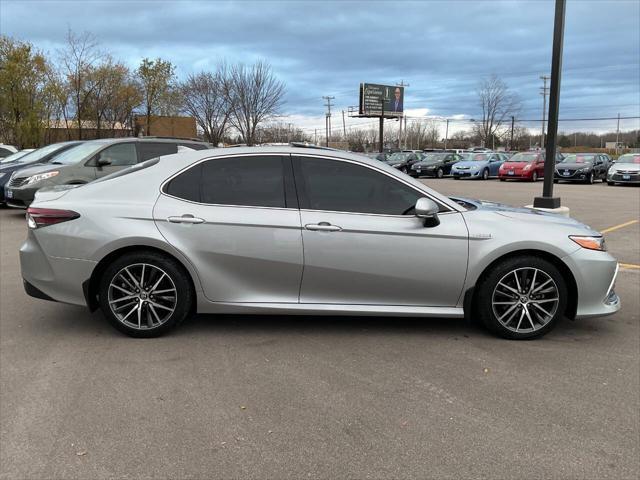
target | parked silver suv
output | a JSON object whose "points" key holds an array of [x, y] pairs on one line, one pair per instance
{"points": [[89, 161], [289, 230]]}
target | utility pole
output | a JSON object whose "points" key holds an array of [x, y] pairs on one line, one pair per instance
{"points": [[513, 121], [446, 134], [617, 133], [405, 133], [344, 128], [544, 91], [327, 119], [547, 200], [315, 136], [402, 84]]}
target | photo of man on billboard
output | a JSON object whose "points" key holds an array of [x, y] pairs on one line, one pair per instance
{"points": [[395, 102]]}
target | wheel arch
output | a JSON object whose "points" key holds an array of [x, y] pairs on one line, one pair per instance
{"points": [[469, 300], [90, 286]]}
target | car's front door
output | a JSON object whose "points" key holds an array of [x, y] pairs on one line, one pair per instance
{"points": [[114, 158], [363, 245], [237, 221]]}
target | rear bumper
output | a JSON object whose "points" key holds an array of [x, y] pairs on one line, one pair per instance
{"points": [[53, 278]]}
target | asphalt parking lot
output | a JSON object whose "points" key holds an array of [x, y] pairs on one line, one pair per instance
{"points": [[317, 397]]}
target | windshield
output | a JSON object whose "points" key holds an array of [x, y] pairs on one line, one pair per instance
{"points": [[398, 157], [434, 157], [14, 156], [578, 158], [525, 157], [479, 157], [77, 153], [629, 158], [40, 153]]}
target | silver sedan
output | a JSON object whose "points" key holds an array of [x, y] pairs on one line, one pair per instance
{"points": [[294, 230]]}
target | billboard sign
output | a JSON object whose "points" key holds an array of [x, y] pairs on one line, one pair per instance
{"points": [[374, 98]]}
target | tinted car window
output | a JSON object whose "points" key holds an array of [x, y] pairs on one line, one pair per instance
{"points": [[120, 154], [186, 185], [254, 181], [5, 152], [149, 150], [344, 187]]}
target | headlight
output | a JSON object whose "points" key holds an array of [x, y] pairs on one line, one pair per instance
{"points": [[40, 176], [396, 165], [527, 167], [590, 243], [583, 170]]}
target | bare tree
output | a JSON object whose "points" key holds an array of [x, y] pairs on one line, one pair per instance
{"points": [[204, 98], [255, 95], [497, 104], [156, 79], [78, 59]]}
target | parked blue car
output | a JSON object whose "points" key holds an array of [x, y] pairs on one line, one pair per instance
{"points": [[478, 165]]}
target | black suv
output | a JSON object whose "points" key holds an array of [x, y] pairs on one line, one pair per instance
{"points": [[436, 164]]}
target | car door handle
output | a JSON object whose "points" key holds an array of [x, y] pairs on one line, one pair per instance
{"points": [[186, 219], [322, 227]]}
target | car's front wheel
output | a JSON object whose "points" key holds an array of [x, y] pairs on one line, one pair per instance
{"points": [[522, 297], [485, 174], [440, 173], [534, 176], [145, 294]]}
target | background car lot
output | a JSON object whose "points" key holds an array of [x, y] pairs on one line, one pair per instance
{"points": [[325, 397]]}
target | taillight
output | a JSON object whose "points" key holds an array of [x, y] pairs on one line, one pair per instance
{"points": [[42, 217]]}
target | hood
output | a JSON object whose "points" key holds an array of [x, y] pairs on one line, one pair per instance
{"points": [[37, 168], [627, 167], [572, 166], [526, 215], [509, 164], [472, 163]]}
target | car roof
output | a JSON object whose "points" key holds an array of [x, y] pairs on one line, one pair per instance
{"points": [[146, 139]]}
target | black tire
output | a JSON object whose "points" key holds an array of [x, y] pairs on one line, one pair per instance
{"points": [[590, 178], [440, 173], [456, 178], [486, 287], [555, 181], [403, 169], [503, 179], [485, 174], [611, 183], [534, 176], [184, 297]]}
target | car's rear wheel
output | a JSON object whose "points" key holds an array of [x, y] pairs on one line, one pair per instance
{"points": [[485, 174], [440, 173], [145, 294], [522, 298]]}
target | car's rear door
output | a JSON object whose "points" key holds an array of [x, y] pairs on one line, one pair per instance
{"points": [[359, 247], [237, 221]]}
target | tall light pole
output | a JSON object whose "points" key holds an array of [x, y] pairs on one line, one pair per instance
{"points": [[547, 200], [446, 134]]}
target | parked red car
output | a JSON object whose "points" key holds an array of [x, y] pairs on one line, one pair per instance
{"points": [[524, 166]]}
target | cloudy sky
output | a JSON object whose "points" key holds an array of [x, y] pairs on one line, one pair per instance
{"points": [[441, 48]]}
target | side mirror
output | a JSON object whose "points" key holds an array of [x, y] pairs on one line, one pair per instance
{"points": [[103, 161], [427, 209]]}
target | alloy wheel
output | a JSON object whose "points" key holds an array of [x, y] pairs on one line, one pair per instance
{"points": [[525, 300], [142, 296]]}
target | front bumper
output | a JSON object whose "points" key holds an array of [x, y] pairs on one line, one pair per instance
{"points": [[595, 275], [465, 174], [423, 172], [20, 197], [575, 177], [516, 175], [623, 178]]}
